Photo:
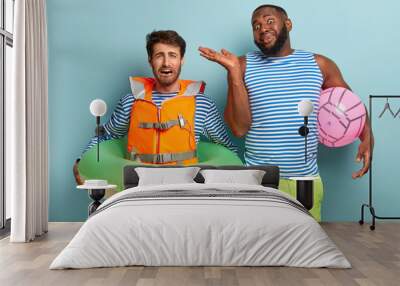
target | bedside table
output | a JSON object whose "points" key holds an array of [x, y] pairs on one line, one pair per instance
{"points": [[96, 193]]}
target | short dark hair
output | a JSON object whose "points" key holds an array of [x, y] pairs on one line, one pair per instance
{"points": [[277, 8], [168, 37]]}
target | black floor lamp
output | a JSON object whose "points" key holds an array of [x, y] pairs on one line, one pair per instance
{"points": [[98, 108], [304, 185]]}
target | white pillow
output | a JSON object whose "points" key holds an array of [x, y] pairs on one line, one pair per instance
{"points": [[248, 177], [164, 176]]}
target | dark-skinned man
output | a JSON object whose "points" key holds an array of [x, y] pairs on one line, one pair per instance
{"points": [[279, 76], [264, 89]]}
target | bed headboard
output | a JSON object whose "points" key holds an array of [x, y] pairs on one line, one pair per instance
{"points": [[270, 179]]}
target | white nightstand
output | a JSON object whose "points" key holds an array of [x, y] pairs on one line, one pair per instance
{"points": [[96, 190]]}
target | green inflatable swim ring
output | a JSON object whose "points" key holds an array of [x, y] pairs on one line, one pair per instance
{"points": [[112, 160]]}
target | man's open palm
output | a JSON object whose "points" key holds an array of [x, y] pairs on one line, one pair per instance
{"points": [[224, 58]]}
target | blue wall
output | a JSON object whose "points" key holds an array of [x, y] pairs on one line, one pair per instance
{"points": [[94, 45]]}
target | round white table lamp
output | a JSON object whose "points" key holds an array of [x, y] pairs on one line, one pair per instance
{"points": [[305, 108], [98, 107]]}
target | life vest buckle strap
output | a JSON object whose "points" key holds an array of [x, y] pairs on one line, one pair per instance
{"points": [[163, 125], [166, 157], [181, 121], [132, 155], [168, 124]]}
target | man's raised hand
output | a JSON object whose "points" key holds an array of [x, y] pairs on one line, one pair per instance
{"points": [[225, 58]]}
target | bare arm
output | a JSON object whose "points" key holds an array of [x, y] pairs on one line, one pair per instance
{"points": [[77, 176], [333, 78], [331, 73], [237, 111]]}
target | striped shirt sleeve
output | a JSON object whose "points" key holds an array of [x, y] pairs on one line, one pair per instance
{"points": [[118, 124], [214, 127]]}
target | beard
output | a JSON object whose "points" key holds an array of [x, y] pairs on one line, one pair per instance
{"points": [[280, 41], [167, 81]]}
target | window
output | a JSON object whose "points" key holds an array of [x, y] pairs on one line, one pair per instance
{"points": [[6, 63]]}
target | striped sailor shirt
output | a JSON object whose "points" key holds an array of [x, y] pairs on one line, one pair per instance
{"points": [[275, 86]]}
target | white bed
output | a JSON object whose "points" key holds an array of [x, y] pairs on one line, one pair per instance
{"points": [[201, 224]]}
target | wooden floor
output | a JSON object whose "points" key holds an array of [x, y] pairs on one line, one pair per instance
{"points": [[374, 255]]}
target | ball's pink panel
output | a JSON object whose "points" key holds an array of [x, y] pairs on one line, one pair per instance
{"points": [[341, 117]]}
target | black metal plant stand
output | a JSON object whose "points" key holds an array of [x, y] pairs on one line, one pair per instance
{"points": [[370, 205], [96, 195]]}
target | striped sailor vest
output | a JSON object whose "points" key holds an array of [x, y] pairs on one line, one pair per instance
{"points": [[163, 135], [275, 87]]}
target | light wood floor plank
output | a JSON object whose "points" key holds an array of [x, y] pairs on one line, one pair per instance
{"points": [[375, 257]]}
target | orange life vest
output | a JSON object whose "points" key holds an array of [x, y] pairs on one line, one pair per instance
{"points": [[163, 135]]}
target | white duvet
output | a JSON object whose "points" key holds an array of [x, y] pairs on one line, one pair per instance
{"points": [[183, 231]]}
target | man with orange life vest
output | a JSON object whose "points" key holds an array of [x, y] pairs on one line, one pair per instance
{"points": [[164, 116]]}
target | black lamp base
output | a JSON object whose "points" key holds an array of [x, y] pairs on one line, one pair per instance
{"points": [[305, 193], [304, 130], [96, 195]]}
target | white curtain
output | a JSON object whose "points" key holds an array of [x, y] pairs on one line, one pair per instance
{"points": [[26, 124]]}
